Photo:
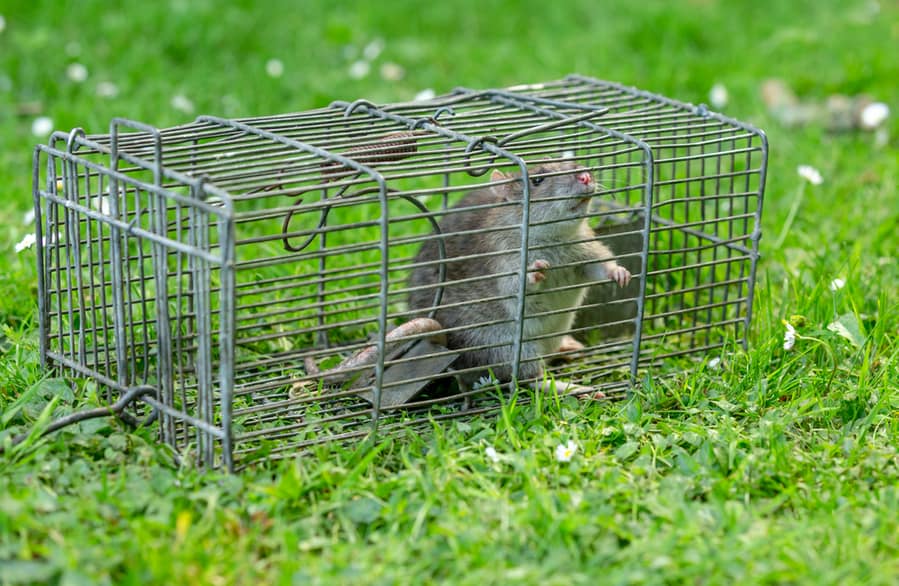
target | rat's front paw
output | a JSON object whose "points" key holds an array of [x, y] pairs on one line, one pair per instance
{"points": [[620, 275], [537, 271]]}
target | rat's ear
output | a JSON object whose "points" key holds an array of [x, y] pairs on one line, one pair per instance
{"points": [[498, 175], [503, 190]]}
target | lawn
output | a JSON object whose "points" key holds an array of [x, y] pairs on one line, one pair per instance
{"points": [[777, 466]]}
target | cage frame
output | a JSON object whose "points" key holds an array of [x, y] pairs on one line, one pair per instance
{"points": [[214, 420]]}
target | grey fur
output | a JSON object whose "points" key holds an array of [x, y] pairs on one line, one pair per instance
{"points": [[559, 235]]}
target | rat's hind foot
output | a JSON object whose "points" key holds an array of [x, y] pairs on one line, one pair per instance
{"points": [[569, 347], [563, 388], [537, 271], [591, 395]]}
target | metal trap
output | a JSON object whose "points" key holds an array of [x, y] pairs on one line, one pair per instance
{"points": [[276, 280]]}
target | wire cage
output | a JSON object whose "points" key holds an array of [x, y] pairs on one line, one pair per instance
{"points": [[284, 281]]}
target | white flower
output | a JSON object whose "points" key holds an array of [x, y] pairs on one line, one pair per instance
{"points": [[42, 126], [373, 49], [715, 362], [874, 115], [837, 284], [565, 452], [182, 103], [274, 68], [491, 454], [392, 72], [810, 174], [427, 94], [789, 336], [484, 381], [101, 204], [29, 217], [26, 242], [76, 72], [359, 69], [107, 89], [2, 23], [718, 95]]}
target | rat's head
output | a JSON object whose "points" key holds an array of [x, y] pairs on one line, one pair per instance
{"points": [[558, 189]]}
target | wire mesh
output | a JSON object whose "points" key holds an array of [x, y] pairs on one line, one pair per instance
{"points": [[234, 265]]}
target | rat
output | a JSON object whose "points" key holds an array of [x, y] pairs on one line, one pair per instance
{"points": [[564, 253]]}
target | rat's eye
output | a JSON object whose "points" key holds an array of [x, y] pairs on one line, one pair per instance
{"points": [[537, 180]]}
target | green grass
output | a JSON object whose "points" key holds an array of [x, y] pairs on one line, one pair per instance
{"points": [[777, 467]]}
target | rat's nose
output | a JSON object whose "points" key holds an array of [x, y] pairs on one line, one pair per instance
{"points": [[585, 178]]}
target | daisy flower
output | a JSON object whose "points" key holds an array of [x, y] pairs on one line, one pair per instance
{"points": [[26, 242], [76, 72], [874, 115], [373, 49], [426, 94], [810, 174], [274, 68], [42, 126], [359, 69], [718, 96], [491, 454], [484, 381], [107, 89], [789, 336], [182, 103], [565, 452]]}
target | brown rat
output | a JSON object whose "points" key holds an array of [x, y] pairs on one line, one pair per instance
{"points": [[564, 256]]}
